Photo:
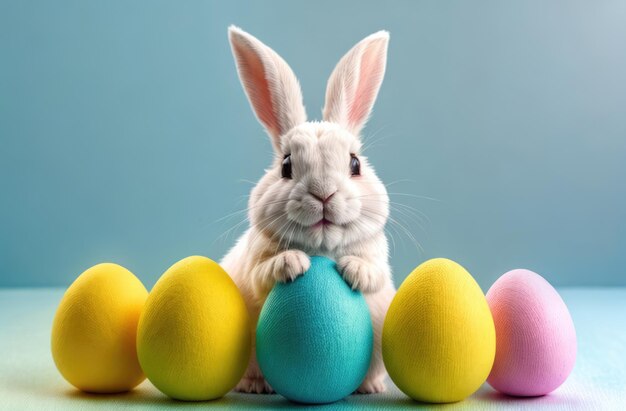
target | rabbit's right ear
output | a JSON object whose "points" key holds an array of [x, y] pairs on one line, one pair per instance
{"points": [[270, 84]]}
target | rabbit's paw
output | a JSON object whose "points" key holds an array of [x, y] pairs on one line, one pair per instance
{"points": [[372, 386], [289, 264], [254, 385], [361, 274]]}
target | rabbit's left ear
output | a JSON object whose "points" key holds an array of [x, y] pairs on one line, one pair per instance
{"points": [[354, 84]]}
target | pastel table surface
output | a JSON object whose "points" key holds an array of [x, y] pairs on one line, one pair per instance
{"points": [[29, 379]]}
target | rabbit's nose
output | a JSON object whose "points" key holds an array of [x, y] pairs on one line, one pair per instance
{"points": [[323, 199]]}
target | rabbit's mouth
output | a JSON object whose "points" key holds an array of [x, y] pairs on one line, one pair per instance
{"points": [[322, 223]]}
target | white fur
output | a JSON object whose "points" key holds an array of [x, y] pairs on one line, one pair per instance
{"points": [[283, 212]]}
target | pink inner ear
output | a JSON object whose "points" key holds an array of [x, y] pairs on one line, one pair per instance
{"points": [[370, 73], [257, 87]]}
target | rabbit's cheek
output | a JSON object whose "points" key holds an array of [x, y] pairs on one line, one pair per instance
{"points": [[305, 212], [303, 217], [345, 211], [313, 207], [335, 211]]}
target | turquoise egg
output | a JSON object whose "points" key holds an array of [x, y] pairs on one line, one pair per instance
{"points": [[314, 337]]}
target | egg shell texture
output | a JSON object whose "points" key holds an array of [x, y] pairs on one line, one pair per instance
{"points": [[95, 327], [314, 336], [438, 336], [194, 336], [536, 338]]}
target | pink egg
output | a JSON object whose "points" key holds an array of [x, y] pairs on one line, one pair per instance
{"points": [[535, 335]]}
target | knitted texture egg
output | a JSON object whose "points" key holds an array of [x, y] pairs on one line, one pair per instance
{"points": [[439, 337], [94, 330], [314, 336], [536, 339], [194, 335]]}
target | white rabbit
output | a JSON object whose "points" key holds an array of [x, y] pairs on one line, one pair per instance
{"points": [[320, 196]]}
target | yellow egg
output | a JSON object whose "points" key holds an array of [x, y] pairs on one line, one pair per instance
{"points": [[193, 338], [439, 339], [95, 328]]}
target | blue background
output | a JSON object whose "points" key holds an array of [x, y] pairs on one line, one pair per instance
{"points": [[125, 134]]}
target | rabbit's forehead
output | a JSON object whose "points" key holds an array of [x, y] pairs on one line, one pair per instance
{"points": [[320, 137]]}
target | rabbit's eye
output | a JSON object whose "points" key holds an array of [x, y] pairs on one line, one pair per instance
{"points": [[355, 165], [286, 170]]}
